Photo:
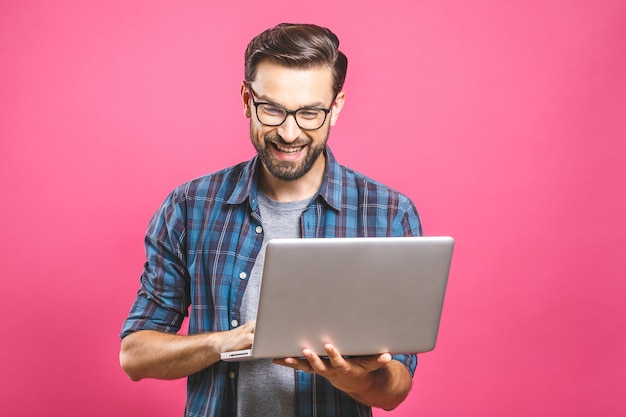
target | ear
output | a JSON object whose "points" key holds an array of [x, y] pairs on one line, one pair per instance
{"points": [[336, 107], [245, 98]]}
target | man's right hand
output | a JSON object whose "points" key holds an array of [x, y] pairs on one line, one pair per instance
{"points": [[238, 338], [153, 354]]}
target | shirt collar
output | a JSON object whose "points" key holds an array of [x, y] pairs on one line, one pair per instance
{"points": [[330, 190]]}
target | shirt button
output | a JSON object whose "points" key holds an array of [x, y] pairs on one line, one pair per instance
{"points": [[243, 275], [231, 375], [259, 229], [234, 323]]}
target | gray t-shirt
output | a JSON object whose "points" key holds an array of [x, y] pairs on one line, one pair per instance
{"points": [[263, 388]]}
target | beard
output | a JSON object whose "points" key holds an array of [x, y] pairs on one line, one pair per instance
{"points": [[287, 170]]}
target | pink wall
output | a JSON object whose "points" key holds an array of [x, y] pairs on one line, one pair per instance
{"points": [[504, 121]]}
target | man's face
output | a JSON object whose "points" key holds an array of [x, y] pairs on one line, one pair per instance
{"points": [[289, 152]]}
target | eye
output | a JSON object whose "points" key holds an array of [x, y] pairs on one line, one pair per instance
{"points": [[272, 110], [309, 113]]}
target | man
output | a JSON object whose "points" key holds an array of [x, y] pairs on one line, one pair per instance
{"points": [[205, 248]]}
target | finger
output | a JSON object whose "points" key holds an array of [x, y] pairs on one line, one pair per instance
{"points": [[293, 363], [336, 360], [371, 363], [249, 326], [384, 358], [376, 362], [286, 361], [316, 363]]}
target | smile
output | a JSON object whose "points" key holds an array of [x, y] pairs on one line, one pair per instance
{"points": [[288, 150]]}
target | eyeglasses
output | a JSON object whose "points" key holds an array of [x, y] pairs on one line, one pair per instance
{"points": [[270, 114]]}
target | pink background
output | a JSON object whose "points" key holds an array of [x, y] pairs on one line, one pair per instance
{"points": [[505, 121]]}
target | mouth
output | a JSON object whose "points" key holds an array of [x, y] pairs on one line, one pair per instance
{"points": [[289, 150], [288, 153]]}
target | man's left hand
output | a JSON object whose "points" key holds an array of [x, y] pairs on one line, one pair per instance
{"points": [[350, 375]]}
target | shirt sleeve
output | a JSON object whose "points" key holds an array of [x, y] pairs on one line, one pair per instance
{"points": [[408, 360], [162, 301], [408, 224]]}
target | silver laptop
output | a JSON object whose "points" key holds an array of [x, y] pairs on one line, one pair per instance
{"points": [[363, 295]]}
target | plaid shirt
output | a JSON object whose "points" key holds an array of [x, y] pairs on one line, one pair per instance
{"points": [[203, 242]]}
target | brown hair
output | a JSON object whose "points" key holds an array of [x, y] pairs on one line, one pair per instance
{"points": [[297, 46]]}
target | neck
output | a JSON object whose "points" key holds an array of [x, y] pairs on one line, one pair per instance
{"points": [[297, 190]]}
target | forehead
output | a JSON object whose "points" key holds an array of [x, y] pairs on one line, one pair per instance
{"points": [[294, 87]]}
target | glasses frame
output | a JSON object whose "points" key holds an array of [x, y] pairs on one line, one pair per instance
{"points": [[287, 111]]}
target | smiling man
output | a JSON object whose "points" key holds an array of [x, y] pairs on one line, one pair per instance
{"points": [[205, 248]]}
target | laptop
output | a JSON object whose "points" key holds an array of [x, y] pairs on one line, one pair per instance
{"points": [[363, 295]]}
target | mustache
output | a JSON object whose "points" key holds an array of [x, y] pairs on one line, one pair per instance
{"points": [[278, 140]]}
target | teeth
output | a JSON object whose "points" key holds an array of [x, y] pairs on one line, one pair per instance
{"points": [[289, 150]]}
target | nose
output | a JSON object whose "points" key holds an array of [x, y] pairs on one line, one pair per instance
{"points": [[289, 130]]}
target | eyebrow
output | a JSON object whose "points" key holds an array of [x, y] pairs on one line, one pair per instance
{"points": [[263, 98]]}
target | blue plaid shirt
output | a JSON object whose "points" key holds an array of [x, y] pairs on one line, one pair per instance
{"points": [[208, 232]]}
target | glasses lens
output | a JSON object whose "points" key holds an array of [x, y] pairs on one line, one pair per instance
{"points": [[310, 118], [271, 115]]}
